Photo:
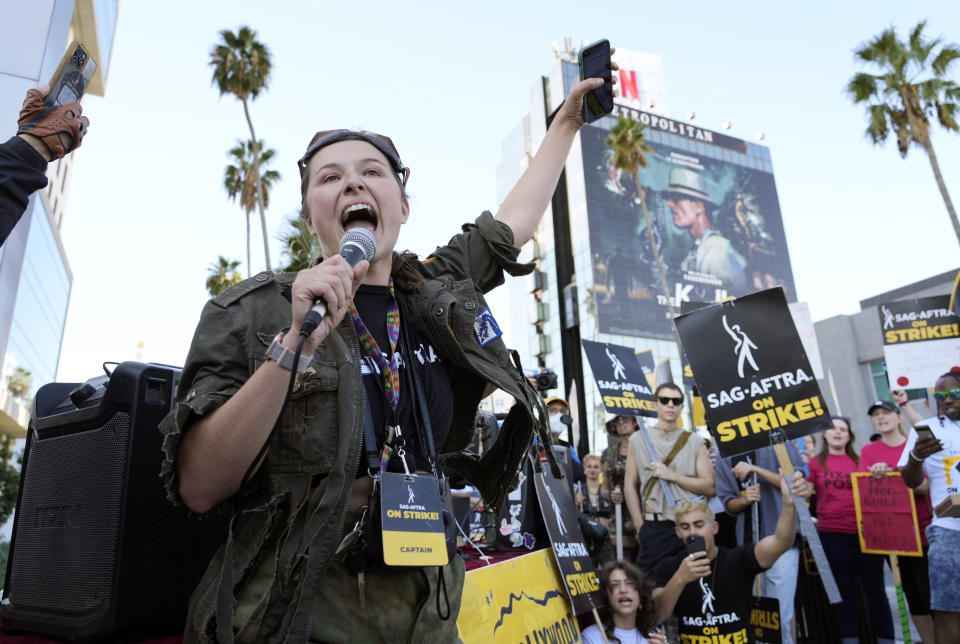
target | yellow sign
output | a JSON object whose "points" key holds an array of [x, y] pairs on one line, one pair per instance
{"points": [[518, 600]]}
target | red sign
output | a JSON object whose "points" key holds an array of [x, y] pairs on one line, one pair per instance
{"points": [[886, 515]]}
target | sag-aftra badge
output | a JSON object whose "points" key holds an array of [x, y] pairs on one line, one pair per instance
{"points": [[413, 532]]}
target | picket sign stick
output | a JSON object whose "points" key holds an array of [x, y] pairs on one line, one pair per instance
{"points": [[778, 440], [603, 633], [901, 604], [755, 521], [619, 514]]}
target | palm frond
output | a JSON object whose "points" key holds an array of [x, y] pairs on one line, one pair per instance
{"points": [[942, 61]]}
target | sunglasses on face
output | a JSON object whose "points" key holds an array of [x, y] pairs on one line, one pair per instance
{"points": [[940, 396], [666, 400]]}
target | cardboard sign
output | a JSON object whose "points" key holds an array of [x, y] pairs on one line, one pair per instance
{"points": [[563, 528], [621, 378], [886, 515], [921, 340], [752, 372], [765, 620], [413, 532], [518, 600]]}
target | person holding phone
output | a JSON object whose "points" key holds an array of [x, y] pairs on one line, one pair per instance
{"points": [[276, 577], [750, 483], [45, 133], [932, 453], [880, 457], [709, 587], [629, 616], [830, 474]]}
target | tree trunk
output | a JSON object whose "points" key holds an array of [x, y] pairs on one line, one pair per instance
{"points": [[246, 216], [928, 146], [256, 172], [663, 274]]}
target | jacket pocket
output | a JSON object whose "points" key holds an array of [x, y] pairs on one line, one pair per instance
{"points": [[306, 440]]}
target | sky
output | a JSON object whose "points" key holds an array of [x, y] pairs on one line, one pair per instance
{"points": [[147, 212]]}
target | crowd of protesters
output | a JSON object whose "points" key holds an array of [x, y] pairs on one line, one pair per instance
{"points": [[669, 494]]}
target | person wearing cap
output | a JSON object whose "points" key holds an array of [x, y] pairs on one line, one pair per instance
{"points": [[619, 430], [45, 133], [879, 457], [559, 420], [352, 392], [712, 253]]}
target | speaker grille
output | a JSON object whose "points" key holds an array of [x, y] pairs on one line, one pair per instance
{"points": [[66, 539]]}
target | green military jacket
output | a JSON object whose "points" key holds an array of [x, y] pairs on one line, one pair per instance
{"points": [[295, 504]]}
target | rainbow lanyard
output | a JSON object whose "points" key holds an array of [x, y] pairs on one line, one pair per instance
{"points": [[389, 369]]}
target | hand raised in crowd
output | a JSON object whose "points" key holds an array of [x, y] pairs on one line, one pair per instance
{"points": [[693, 567], [752, 494], [899, 396], [798, 487], [662, 471], [571, 112], [53, 131], [742, 470]]}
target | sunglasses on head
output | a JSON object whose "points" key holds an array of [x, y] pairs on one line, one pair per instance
{"points": [[383, 143], [942, 395], [666, 400]]}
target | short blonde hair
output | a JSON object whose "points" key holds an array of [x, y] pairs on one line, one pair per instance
{"points": [[590, 457], [686, 507]]}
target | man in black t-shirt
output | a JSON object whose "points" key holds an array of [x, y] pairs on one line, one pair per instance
{"points": [[710, 591]]}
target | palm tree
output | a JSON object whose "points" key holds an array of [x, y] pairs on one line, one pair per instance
{"points": [[241, 66], [910, 88], [240, 180], [300, 248], [19, 383], [630, 151], [222, 275]]}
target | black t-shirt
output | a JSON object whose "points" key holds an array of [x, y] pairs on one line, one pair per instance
{"points": [[372, 303], [719, 604]]}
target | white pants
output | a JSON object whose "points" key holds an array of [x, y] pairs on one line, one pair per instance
{"points": [[780, 581]]}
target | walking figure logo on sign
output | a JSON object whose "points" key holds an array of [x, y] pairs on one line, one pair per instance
{"points": [[618, 371], [887, 317], [743, 346]]}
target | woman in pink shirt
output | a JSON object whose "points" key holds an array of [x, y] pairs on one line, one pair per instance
{"points": [[880, 457], [830, 474]]}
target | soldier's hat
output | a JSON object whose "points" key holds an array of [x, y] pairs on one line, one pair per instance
{"points": [[687, 184]]}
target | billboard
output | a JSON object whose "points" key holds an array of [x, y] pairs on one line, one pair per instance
{"points": [[716, 222]]}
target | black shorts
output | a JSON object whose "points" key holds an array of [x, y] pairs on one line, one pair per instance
{"points": [[915, 577]]}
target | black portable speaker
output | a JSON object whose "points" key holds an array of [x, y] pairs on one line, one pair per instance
{"points": [[96, 545]]}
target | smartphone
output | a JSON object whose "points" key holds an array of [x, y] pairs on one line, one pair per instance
{"points": [[696, 543], [594, 62], [923, 431], [73, 75]]}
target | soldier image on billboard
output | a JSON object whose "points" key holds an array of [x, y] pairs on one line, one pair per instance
{"points": [[715, 218]]}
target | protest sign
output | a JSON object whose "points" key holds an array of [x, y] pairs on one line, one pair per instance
{"points": [[569, 550], [621, 378], [886, 515], [518, 600], [765, 620], [921, 340], [752, 372]]}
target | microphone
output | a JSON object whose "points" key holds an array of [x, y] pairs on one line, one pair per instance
{"points": [[355, 245]]}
